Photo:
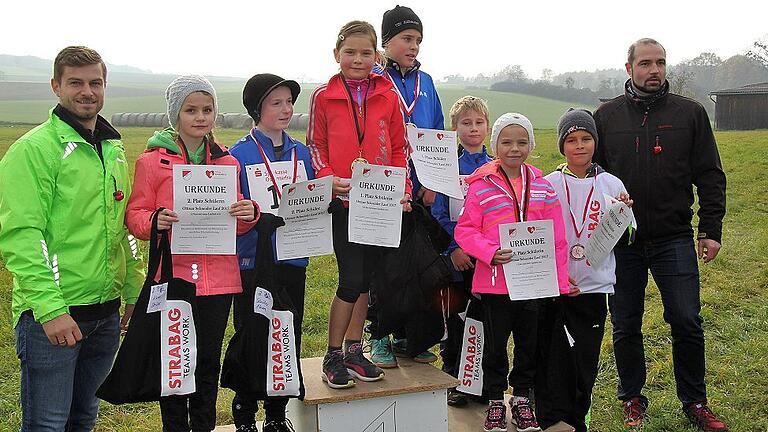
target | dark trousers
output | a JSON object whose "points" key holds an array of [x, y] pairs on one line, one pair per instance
{"points": [[567, 368], [455, 300], [356, 262], [502, 317], [293, 279], [197, 411], [675, 270]]}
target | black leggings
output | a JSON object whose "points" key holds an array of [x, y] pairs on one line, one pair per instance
{"points": [[198, 410], [356, 262], [294, 279]]}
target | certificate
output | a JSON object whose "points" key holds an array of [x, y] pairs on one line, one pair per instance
{"points": [[263, 191], [435, 157], [375, 212], [532, 273], [202, 195], [307, 231], [455, 205], [613, 223]]}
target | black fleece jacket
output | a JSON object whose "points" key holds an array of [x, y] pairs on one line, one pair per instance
{"points": [[660, 152]]}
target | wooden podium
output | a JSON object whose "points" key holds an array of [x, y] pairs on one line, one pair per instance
{"points": [[410, 398]]}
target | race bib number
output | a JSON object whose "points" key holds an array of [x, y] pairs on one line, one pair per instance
{"points": [[178, 349], [471, 365], [282, 361], [260, 184]]}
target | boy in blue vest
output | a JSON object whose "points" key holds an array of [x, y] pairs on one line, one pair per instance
{"points": [[401, 36]]}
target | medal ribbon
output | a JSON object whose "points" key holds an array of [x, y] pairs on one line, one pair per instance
{"points": [[294, 158], [408, 109], [364, 109], [586, 206], [522, 211]]}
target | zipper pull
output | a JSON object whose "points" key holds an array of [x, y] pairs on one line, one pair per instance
{"points": [[637, 144], [645, 119], [657, 147]]}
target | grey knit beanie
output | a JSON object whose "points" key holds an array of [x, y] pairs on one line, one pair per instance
{"points": [[180, 88], [511, 119], [574, 120]]}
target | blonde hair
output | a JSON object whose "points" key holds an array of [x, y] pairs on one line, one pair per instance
{"points": [[356, 28], [467, 103]]}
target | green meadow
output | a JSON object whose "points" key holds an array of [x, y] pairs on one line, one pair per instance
{"points": [[734, 290]]}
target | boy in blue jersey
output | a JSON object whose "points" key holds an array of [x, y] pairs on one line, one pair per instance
{"points": [[401, 36], [269, 152]]}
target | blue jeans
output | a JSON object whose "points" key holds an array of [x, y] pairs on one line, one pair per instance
{"points": [[675, 270], [58, 384]]}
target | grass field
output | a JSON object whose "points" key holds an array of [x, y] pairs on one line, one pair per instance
{"points": [[542, 112], [734, 299]]}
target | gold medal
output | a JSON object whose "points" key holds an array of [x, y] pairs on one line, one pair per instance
{"points": [[359, 160], [578, 252], [410, 125]]}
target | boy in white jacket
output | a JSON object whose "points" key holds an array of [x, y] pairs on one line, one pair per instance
{"points": [[571, 327]]}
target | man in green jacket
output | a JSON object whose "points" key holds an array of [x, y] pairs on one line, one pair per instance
{"points": [[63, 190]]}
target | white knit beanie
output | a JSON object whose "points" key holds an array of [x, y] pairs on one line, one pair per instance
{"points": [[180, 88], [511, 119]]}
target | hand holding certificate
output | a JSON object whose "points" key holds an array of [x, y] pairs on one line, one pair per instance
{"points": [[532, 271], [435, 158], [613, 223], [202, 196], [375, 208], [307, 231]]}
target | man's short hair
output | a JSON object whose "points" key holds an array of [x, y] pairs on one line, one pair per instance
{"points": [[76, 56], [643, 41]]}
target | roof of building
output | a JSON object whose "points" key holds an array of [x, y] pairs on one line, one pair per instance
{"points": [[749, 89]]}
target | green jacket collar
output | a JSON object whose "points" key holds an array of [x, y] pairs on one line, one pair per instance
{"points": [[69, 130]]}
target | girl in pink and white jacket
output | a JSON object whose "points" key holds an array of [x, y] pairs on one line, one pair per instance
{"points": [[192, 113], [506, 190]]}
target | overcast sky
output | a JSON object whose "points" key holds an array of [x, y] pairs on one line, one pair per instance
{"points": [[296, 38]]}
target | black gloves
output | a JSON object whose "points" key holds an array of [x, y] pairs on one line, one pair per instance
{"points": [[268, 223], [336, 205]]}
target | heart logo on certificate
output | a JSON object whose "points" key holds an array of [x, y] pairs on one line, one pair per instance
{"points": [[209, 173], [311, 187], [387, 172], [531, 229], [440, 136]]}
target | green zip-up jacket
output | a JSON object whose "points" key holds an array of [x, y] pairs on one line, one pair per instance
{"points": [[62, 232]]}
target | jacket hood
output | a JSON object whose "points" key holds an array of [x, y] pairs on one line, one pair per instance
{"points": [[492, 169], [166, 139]]}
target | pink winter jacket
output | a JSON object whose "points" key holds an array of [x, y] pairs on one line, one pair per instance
{"points": [[153, 188], [489, 204]]}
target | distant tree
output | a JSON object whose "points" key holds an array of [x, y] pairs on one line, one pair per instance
{"points": [[569, 82], [705, 59], [547, 75], [740, 70], [681, 82], [511, 73], [759, 52]]}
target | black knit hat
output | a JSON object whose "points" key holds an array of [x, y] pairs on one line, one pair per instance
{"points": [[572, 121], [398, 19], [258, 88]]}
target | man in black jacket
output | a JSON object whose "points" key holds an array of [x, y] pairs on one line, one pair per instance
{"points": [[660, 145]]}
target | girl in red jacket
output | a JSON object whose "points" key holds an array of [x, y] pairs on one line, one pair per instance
{"points": [[355, 118], [192, 114]]}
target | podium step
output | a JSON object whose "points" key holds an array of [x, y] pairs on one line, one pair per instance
{"points": [[408, 377]]}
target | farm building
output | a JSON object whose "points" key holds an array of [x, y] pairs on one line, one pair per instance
{"points": [[741, 108]]}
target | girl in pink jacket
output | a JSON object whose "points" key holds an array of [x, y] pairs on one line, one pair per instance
{"points": [[192, 113], [506, 190]]}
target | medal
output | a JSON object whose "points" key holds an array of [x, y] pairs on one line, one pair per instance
{"points": [[410, 125], [577, 252], [359, 160]]}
